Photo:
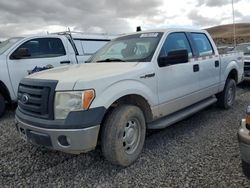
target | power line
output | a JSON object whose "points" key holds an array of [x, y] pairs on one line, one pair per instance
{"points": [[234, 27]]}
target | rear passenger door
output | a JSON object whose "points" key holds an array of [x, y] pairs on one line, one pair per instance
{"points": [[209, 64], [177, 84]]}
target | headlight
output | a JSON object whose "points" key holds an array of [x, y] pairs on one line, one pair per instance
{"points": [[66, 102]]}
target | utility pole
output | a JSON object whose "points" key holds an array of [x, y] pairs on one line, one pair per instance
{"points": [[234, 28]]}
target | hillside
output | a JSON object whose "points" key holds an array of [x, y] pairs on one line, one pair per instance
{"points": [[223, 34]]}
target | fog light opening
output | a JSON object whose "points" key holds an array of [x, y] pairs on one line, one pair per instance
{"points": [[64, 140]]}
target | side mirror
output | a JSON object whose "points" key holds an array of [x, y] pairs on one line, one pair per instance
{"points": [[174, 57], [21, 53]]}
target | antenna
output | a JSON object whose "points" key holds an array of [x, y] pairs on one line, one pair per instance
{"points": [[71, 40], [234, 27]]}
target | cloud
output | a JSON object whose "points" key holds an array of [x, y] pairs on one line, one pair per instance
{"points": [[215, 3], [202, 21], [18, 17]]}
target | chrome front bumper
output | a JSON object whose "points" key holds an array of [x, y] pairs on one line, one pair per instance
{"points": [[67, 140]]}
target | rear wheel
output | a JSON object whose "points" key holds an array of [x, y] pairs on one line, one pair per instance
{"points": [[227, 97], [246, 168], [123, 135], [2, 105]]}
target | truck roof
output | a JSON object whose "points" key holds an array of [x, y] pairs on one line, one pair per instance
{"points": [[170, 30]]}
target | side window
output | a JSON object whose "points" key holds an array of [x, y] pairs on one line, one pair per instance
{"points": [[90, 47], [202, 43], [176, 41], [78, 44], [43, 48]]}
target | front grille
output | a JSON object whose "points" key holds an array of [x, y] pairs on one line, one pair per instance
{"points": [[247, 66], [36, 97]]}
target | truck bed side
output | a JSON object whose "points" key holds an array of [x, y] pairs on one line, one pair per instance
{"points": [[230, 62]]}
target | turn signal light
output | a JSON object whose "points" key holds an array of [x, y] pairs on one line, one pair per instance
{"points": [[88, 97], [248, 120], [248, 115]]}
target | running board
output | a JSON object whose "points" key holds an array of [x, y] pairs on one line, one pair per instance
{"points": [[182, 114]]}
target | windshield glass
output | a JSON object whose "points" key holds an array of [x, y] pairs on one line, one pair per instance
{"points": [[131, 48], [5, 45], [245, 48]]}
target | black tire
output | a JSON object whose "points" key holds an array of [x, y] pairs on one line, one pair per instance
{"points": [[2, 105], [246, 168], [226, 98], [123, 135]]}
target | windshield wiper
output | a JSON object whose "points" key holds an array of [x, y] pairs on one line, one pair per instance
{"points": [[111, 60]]}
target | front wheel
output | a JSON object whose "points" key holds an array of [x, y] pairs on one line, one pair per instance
{"points": [[2, 105], [227, 97], [123, 135]]}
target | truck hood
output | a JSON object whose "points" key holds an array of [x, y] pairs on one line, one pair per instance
{"points": [[69, 75]]}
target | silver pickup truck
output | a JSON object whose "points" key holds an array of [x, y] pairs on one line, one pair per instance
{"points": [[140, 81]]}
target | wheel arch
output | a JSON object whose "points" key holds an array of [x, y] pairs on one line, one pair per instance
{"points": [[132, 99], [5, 92], [233, 74]]}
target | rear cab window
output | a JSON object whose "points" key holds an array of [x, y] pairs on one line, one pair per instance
{"points": [[87, 47], [202, 43], [91, 46]]}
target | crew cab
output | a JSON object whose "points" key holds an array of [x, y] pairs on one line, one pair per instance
{"points": [[144, 80], [20, 55]]}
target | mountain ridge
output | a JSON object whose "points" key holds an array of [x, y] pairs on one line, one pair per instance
{"points": [[223, 34]]}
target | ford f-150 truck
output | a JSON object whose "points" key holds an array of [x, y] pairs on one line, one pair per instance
{"points": [[20, 55], [140, 81]]}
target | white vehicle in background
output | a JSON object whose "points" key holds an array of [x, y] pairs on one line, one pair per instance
{"points": [[245, 48], [20, 55]]}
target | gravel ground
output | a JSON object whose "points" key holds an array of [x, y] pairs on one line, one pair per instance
{"points": [[201, 151]]}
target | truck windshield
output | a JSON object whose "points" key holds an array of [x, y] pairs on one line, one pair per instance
{"points": [[130, 48], [245, 48], [5, 45]]}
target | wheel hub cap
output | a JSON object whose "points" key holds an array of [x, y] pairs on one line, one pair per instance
{"points": [[131, 136], [230, 95]]}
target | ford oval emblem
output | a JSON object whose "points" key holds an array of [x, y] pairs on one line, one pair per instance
{"points": [[25, 98]]}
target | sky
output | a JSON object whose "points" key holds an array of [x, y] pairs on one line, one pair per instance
{"points": [[25, 17]]}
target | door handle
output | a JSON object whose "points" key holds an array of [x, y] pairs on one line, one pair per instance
{"points": [[196, 68], [65, 62], [216, 63]]}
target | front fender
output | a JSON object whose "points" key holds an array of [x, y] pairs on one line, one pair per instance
{"points": [[122, 88]]}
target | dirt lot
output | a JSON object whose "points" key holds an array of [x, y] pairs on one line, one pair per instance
{"points": [[201, 151]]}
